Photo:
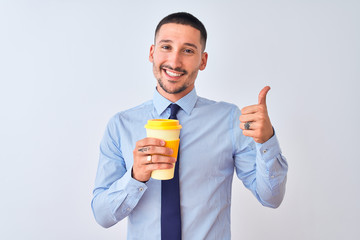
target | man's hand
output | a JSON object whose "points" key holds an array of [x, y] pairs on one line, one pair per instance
{"points": [[149, 155], [255, 121]]}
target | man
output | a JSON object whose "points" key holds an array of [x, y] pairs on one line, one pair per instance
{"points": [[216, 138]]}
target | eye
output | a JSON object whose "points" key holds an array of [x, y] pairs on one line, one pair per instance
{"points": [[189, 51], [165, 47]]}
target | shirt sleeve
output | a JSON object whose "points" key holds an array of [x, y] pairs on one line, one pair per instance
{"points": [[116, 193], [261, 167]]}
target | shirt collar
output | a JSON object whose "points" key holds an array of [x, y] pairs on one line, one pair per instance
{"points": [[186, 103]]}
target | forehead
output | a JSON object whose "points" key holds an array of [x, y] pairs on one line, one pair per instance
{"points": [[178, 33]]}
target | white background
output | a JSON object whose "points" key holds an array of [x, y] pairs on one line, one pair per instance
{"points": [[67, 66]]}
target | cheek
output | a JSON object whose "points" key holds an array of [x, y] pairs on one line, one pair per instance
{"points": [[158, 57], [198, 63], [156, 69], [193, 75]]}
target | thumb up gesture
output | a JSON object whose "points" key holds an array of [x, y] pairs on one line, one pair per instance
{"points": [[255, 121]]}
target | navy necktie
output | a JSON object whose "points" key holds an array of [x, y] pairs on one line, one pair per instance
{"points": [[170, 198]]}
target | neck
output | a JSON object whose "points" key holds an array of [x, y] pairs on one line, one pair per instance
{"points": [[173, 97]]}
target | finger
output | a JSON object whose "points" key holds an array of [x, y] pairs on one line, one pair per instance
{"points": [[158, 166], [150, 142], [247, 118], [252, 132], [253, 126], [152, 150], [159, 159], [250, 109], [262, 95], [256, 135]]}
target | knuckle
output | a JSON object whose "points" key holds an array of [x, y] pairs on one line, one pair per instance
{"points": [[169, 151], [171, 160], [136, 150], [261, 108], [262, 119], [244, 111], [154, 158], [165, 151]]}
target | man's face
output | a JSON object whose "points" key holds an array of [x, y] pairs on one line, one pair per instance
{"points": [[177, 57]]}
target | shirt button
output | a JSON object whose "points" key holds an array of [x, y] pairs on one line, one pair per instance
{"points": [[141, 189], [265, 150], [272, 176]]}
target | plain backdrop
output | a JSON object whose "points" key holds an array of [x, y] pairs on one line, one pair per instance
{"points": [[67, 66]]}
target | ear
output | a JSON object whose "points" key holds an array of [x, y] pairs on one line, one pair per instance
{"points": [[151, 55], [204, 58]]}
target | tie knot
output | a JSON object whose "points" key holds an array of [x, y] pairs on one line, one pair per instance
{"points": [[174, 110]]}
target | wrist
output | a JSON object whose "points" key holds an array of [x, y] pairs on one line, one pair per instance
{"points": [[137, 179]]}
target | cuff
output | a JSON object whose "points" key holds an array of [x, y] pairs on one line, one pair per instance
{"points": [[130, 186], [269, 149]]}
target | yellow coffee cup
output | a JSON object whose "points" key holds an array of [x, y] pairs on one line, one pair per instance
{"points": [[169, 131]]}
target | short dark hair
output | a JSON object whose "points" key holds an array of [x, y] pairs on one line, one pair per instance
{"points": [[185, 18]]}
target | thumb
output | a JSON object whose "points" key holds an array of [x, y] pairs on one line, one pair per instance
{"points": [[262, 95]]}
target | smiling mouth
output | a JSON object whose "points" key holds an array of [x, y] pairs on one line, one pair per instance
{"points": [[173, 73]]}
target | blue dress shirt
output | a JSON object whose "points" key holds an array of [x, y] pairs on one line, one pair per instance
{"points": [[212, 146]]}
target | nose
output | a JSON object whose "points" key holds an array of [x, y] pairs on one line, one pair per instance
{"points": [[175, 60]]}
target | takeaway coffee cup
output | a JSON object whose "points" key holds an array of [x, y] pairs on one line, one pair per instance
{"points": [[169, 131]]}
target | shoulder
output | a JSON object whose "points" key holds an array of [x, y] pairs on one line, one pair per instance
{"points": [[215, 105], [133, 113]]}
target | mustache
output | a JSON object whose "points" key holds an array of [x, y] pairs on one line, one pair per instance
{"points": [[174, 69]]}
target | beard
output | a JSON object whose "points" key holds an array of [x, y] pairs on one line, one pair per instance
{"points": [[180, 88], [175, 91]]}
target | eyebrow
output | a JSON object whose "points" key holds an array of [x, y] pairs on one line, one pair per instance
{"points": [[170, 41]]}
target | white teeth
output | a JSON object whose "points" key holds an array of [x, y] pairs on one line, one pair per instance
{"points": [[172, 74]]}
